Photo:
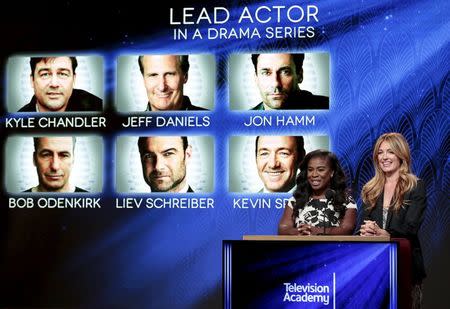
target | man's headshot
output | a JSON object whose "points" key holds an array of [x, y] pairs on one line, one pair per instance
{"points": [[60, 164], [52, 81], [268, 163], [280, 81], [54, 158], [164, 78], [166, 83], [164, 160], [164, 164], [277, 160]]}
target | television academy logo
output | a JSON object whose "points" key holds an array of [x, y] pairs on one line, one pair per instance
{"points": [[307, 293]]}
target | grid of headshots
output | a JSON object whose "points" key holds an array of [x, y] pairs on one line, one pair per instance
{"points": [[149, 82]]}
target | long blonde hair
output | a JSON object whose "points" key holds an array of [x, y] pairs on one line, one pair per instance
{"points": [[406, 181]]}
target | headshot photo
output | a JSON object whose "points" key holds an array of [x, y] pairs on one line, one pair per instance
{"points": [[54, 164], [279, 81], [165, 164], [268, 164], [55, 84], [153, 83]]}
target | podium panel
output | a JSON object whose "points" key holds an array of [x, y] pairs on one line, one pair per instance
{"points": [[309, 274]]}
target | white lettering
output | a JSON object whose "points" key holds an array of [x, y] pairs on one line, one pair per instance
{"points": [[259, 121], [248, 203], [128, 203], [220, 16], [19, 122], [21, 202]]}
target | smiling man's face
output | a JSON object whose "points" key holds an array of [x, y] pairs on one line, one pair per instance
{"points": [[164, 81], [276, 158], [52, 81]]}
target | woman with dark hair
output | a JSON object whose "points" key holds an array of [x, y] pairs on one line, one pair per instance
{"points": [[321, 204], [395, 201]]}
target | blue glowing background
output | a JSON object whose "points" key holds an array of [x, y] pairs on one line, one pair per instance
{"points": [[389, 71]]}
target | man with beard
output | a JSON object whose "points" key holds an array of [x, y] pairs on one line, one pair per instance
{"points": [[164, 160]]}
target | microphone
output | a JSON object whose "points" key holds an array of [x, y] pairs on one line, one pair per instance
{"points": [[329, 195]]}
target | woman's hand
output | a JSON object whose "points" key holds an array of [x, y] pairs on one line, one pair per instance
{"points": [[371, 228], [287, 225], [304, 229]]}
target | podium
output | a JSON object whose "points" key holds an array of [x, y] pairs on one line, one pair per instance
{"points": [[266, 271]]}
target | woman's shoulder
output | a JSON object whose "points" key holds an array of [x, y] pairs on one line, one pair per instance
{"points": [[350, 202], [420, 184], [291, 202], [419, 188]]}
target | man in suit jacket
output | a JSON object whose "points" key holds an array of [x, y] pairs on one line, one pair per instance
{"points": [[164, 160]]}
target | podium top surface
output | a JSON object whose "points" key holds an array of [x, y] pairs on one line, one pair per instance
{"points": [[318, 238]]}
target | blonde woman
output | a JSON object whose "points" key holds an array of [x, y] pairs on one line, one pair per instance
{"points": [[395, 200]]}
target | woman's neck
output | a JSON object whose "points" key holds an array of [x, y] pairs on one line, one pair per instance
{"points": [[318, 195], [391, 178]]}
